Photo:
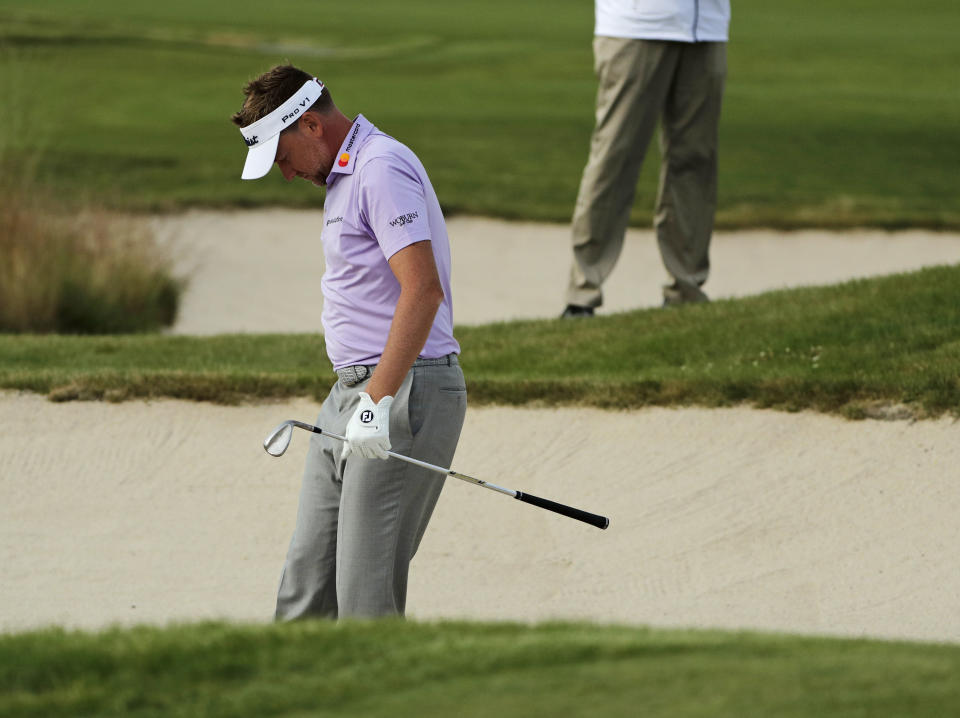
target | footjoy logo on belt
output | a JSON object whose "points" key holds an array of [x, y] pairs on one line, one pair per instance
{"points": [[404, 219], [366, 416]]}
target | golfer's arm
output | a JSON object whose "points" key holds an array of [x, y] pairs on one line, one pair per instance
{"points": [[420, 296]]}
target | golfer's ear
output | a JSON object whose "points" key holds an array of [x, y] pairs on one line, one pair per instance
{"points": [[312, 123]]}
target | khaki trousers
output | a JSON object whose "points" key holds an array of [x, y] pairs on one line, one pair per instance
{"points": [[642, 82], [360, 520]]}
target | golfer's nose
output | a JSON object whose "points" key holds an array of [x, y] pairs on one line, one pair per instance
{"points": [[286, 170]]}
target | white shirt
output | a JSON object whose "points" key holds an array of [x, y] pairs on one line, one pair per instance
{"points": [[678, 20]]}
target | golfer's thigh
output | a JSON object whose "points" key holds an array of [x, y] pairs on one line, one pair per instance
{"points": [[371, 521], [315, 533], [438, 404]]}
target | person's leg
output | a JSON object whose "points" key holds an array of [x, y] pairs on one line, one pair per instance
{"points": [[633, 78], [308, 581], [386, 505], [687, 198]]}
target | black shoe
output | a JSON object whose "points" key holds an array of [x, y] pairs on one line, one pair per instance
{"points": [[575, 311]]}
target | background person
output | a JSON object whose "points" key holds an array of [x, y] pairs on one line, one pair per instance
{"points": [[655, 60], [388, 325]]}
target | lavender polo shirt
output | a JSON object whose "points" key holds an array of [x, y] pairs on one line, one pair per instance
{"points": [[379, 200]]}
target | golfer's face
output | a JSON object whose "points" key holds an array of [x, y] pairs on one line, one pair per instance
{"points": [[301, 155]]}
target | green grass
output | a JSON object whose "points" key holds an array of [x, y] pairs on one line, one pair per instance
{"points": [[835, 114], [398, 669], [854, 348]]}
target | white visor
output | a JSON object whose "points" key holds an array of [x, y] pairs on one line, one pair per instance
{"points": [[263, 135]]}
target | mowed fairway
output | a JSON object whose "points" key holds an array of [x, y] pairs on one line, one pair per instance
{"points": [[408, 670], [834, 115]]}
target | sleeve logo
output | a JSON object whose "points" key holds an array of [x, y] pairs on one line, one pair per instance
{"points": [[404, 219]]}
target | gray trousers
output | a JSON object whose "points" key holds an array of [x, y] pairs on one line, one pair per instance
{"points": [[360, 521], [642, 82]]}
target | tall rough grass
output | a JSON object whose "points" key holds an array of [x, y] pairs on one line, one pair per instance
{"points": [[85, 273]]}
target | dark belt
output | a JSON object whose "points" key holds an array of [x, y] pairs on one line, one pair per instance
{"points": [[352, 375]]}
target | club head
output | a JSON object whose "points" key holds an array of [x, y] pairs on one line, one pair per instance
{"points": [[278, 441]]}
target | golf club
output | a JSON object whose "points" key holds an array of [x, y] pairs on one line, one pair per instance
{"points": [[278, 441]]}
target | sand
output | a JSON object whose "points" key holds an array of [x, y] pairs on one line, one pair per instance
{"points": [[735, 518], [260, 271]]}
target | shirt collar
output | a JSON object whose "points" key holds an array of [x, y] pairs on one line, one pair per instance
{"points": [[346, 156]]}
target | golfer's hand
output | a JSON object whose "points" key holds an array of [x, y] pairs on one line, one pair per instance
{"points": [[368, 431]]}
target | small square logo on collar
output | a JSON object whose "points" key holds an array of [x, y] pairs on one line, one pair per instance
{"points": [[344, 159]]}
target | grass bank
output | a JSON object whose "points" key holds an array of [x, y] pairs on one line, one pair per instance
{"points": [[835, 114], [857, 349], [397, 669]]}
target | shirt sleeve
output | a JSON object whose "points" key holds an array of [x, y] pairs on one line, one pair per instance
{"points": [[392, 203]]}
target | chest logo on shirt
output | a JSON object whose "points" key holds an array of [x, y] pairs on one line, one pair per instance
{"points": [[404, 219], [344, 159]]}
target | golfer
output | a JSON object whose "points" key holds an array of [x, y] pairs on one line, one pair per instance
{"points": [[388, 325]]}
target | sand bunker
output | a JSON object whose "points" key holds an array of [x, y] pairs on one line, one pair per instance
{"points": [[260, 271], [735, 518], [151, 512]]}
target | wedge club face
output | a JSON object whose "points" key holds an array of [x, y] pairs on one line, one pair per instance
{"points": [[278, 441]]}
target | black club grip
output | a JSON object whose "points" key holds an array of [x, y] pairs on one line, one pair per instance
{"points": [[601, 522]]}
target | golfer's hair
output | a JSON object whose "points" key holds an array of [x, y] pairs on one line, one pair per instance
{"points": [[274, 87]]}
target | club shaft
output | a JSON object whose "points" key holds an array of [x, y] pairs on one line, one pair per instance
{"points": [[432, 467], [600, 522]]}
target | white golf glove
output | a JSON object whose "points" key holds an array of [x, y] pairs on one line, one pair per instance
{"points": [[368, 431]]}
